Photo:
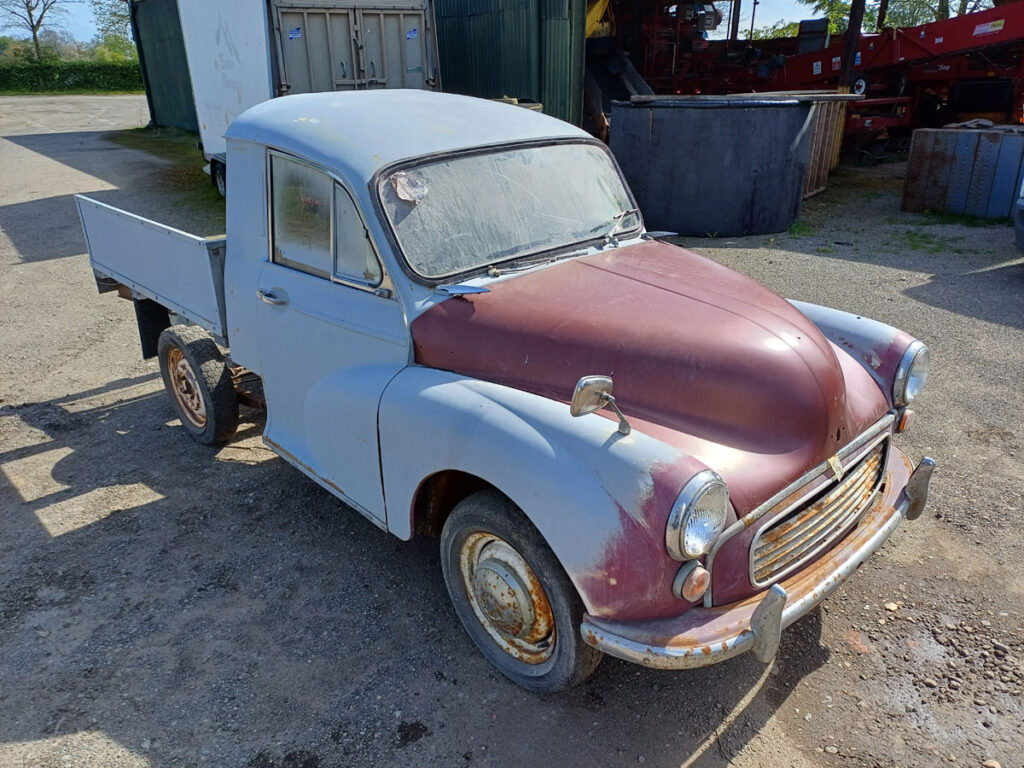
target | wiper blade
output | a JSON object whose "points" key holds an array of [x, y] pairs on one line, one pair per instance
{"points": [[616, 223], [523, 265]]}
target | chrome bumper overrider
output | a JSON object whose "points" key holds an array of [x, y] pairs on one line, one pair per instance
{"points": [[704, 636]]}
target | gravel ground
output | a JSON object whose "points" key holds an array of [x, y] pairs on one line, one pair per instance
{"points": [[165, 604]]}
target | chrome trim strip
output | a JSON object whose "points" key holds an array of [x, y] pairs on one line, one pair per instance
{"points": [[826, 539], [885, 423], [769, 621]]}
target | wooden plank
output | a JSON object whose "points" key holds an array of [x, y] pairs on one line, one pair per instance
{"points": [[837, 132], [1006, 184]]}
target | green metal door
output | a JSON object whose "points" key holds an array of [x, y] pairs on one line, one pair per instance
{"points": [[157, 31], [526, 49]]}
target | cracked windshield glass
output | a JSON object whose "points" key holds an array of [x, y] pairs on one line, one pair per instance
{"points": [[463, 213]]}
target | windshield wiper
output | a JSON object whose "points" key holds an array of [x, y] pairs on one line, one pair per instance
{"points": [[616, 225], [521, 265]]}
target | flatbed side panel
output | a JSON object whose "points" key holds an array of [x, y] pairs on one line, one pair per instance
{"points": [[182, 272]]}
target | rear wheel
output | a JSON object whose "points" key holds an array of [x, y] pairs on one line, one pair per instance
{"points": [[199, 383], [512, 595]]}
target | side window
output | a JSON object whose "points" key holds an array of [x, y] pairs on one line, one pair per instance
{"points": [[301, 200], [354, 257]]}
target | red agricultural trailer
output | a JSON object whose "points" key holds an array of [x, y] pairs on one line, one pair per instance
{"points": [[960, 68]]}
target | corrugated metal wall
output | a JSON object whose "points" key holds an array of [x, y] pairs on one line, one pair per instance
{"points": [[157, 32], [959, 170], [527, 49], [563, 50]]}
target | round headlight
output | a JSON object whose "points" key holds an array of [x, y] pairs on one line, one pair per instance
{"points": [[698, 516], [911, 373]]}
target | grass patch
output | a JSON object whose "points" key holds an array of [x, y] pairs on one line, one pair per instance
{"points": [[800, 229], [916, 240], [179, 148], [963, 219], [67, 92]]}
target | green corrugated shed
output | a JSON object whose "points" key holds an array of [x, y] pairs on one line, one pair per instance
{"points": [[527, 49], [157, 31]]}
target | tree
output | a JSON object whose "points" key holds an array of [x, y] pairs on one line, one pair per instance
{"points": [[113, 19], [113, 41], [31, 16], [901, 13], [781, 28]]}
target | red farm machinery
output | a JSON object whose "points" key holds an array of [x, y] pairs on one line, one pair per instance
{"points": [[956, 69]]}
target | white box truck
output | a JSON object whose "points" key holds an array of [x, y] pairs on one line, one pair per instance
{"points": [[243, 52]]}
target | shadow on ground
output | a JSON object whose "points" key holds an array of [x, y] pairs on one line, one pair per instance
{"points": [[189, 204], [195, 604], [969, 268]]}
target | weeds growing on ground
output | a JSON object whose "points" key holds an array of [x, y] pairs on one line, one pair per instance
{"points": [[800, 229]]}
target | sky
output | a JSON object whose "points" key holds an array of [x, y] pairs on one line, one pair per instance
{"points": [[80, 24], [79, 21]]}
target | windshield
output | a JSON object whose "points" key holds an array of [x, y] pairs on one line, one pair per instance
{"points": [[467, 212]]}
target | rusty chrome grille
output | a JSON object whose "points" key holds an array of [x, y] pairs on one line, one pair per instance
{"points": [[784, 545]]}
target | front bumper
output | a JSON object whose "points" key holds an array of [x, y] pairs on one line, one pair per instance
{"points": [[704, 636]]}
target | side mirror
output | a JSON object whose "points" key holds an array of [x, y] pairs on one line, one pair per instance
{"points": [[593, 393]]}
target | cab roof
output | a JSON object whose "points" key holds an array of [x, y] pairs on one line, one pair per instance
{"points": [[355, 133]]}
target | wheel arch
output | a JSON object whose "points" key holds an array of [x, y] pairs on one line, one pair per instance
{"points": [[599, 500], [438, 494]]}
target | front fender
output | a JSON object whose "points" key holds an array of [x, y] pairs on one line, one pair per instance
{"points": [[876, 346], [600, 499]]}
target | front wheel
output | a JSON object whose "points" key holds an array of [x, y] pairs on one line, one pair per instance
{"points": [[512, 595]]}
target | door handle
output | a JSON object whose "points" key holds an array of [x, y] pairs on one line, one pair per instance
{"points": [[268, 297]]}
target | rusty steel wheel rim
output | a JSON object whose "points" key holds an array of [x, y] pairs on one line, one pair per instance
{"points": [[507, 598], [185, 388]]}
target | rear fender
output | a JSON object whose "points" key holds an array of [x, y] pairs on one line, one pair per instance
{"points": [[600, 499]]}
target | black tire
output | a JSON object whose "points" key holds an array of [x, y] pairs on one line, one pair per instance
{"points": [[200, 375], [860, 84], [570, 660], [219, 177]]}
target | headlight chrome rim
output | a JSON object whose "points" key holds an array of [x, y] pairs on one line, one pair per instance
{"points": [[675, 532], [917, 353]]}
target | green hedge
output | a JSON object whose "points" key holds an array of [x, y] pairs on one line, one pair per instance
{"points": [[70, 76]]}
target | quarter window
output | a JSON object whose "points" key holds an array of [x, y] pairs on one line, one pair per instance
{"points": [[354, 257]]}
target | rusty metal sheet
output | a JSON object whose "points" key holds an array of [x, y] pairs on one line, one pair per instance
{"points": [[916, 182], [939, 171], [1006, 180], [966, 147], [983, 173]]}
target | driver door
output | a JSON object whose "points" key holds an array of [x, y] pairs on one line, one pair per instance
{"points": [[331, 334]]}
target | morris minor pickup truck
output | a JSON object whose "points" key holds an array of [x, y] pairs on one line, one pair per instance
{"points": [[460, 327]]}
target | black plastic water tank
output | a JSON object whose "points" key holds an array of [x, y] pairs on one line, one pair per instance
{"points": [[714, 165]]}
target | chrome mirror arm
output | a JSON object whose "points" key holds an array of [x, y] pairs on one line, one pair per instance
{"points": [[624, 427]]}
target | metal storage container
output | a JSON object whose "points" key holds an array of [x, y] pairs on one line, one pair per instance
{"points": [[973, 171], [714, 165]]}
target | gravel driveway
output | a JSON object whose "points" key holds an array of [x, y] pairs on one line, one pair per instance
{"points": [[166, 604]]}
